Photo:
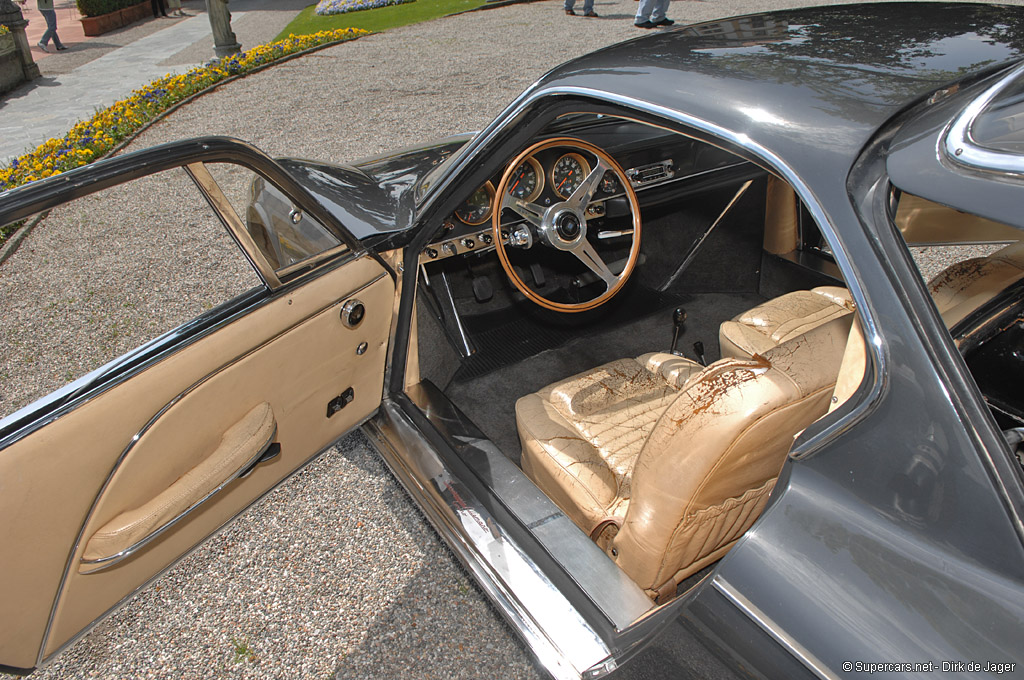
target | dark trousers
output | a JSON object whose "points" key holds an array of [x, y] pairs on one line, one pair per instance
{"points": [[159, 8], [51, 27]]}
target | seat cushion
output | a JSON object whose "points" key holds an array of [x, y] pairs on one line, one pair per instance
{"points": [[785, 318], [965, 286], [581, 436]]}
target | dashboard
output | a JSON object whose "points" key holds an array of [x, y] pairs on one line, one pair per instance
{"points": [[657, 163]]}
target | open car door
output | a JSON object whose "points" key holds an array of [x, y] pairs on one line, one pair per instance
{"points": [[108, 481]]}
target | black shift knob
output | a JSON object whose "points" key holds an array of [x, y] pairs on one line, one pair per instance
{"points": [[678, 316]]}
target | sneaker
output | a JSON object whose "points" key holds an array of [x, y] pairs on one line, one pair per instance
{"points": [[43, 47], [61, 48], [644, 24], [570, 12], [664, 22], [591, 13]]}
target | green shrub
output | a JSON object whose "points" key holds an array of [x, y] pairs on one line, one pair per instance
{"points": [[94, 8]]}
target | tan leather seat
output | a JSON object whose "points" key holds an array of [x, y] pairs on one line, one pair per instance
{"points": [[786, 317], [581, 435], [667, 475], [965, 286]]}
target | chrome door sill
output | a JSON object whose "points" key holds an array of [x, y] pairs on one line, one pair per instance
{"points": [[565, 644]]}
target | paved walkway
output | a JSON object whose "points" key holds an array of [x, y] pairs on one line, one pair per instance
{"points": [[51, 105]]}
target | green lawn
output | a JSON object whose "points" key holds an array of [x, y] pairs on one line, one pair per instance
{"points": [[379, 19]]}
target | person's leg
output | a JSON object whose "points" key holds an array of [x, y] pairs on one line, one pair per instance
{"points": [[658, 11], [588, 7], [568, 5], [51, 27], [643, 12]]}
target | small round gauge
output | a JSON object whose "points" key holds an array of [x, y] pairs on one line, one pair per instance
{"points": [[568, 173], [527, 180], [477, 208]]}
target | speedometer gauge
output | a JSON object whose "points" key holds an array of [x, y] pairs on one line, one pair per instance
{"points": [[477, 208], [568, 173], [527, 180]]}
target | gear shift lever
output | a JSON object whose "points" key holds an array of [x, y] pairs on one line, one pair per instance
{"points": [[678, 318]]}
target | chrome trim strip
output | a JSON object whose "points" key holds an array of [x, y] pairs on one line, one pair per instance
{"points": [[808, 659], [43, 661], [117, 464], [109, 561], [616, 596], [222, 206], [554, 631], [959, 147]]}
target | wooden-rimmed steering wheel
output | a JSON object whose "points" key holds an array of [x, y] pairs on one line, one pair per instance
{"points": [[563, 224]]}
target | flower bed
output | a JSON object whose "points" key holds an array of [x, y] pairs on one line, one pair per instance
{"points": [[4, 30], [92, 139], [327, 7]]}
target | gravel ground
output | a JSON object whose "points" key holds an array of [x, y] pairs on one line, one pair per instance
{"points": [[335, 574]]}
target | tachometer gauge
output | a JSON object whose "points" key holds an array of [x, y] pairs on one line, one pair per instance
{"points": [[477, 208], [568, 173], [527, 180]]}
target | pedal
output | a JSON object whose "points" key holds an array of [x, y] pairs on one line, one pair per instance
{"points": [[538, 275], [482, 289]]}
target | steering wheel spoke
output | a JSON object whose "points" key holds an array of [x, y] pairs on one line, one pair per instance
{"points": [[588, 187], [531, 212], [586, 253], [563, 225]]}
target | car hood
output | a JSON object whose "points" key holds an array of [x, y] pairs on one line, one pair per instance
{"points": [[376, 195]]}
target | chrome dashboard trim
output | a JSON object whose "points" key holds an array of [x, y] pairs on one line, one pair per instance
{"points": [[959, 148]]}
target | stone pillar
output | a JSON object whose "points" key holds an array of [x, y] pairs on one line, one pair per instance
{"points": [[224, 42], [11, 17]]}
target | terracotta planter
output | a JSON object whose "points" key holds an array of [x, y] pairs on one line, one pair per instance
{"points": [[104, 23], [136, 12], [114, 20]]}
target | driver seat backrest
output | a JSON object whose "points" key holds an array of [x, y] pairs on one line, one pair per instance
{"points": [[705, 472]]}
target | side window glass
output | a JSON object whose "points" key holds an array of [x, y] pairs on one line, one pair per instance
{"points": [[284, 233], [99, 276]]}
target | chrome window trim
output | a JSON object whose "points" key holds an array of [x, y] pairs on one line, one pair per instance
{"points": [[212, 192], [959, 147]]}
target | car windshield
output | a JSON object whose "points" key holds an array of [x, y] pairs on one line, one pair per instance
{"points": [[438, 172]]}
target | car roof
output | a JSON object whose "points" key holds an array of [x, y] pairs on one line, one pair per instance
{"points": [[811, 85]]}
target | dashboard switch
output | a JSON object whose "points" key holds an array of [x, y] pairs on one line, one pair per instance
{"points": [[469, 243], [449, 249], [431, 253], [486, 238]]}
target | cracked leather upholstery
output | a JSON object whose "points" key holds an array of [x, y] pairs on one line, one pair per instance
{"points": [[784, 318], [581, 436], [680, 468], [965, 286]]}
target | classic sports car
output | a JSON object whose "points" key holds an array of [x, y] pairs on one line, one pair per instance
{"points": [[710, 335]]}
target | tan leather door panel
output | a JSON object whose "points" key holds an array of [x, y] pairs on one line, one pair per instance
{"points": [[131, 460]]}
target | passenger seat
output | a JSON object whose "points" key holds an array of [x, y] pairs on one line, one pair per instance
{"points": [[965, 286], [784, 318]]}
